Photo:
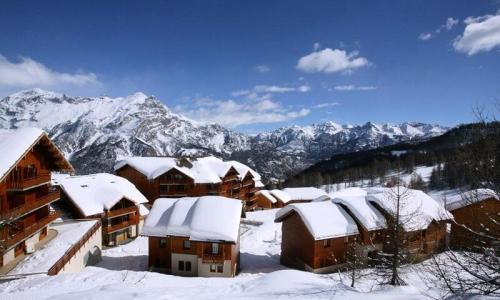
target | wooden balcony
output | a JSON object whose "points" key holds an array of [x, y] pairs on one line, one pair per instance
{"points": [[230, 178], [254, 190], [173, 194], [186, 181], [119, 226], [28, 231], [247, 183], [121, 212], [209, 257], [29, 206], [27, 183]]}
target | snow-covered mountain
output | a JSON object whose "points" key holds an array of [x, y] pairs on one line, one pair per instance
{"points": [[93, 131]]}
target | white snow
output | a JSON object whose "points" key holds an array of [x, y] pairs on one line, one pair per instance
{"points": [[416, 207], [355, 199], [459, 200], [208, 218], [93, 194], [299, 194], [267, 195], [14, 144], [68, 234], [202, 170], [323, 219]]}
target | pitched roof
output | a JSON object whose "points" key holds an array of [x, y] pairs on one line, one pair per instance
{"points": [[299, 194], [207, 218], [323, 219], [14, 144], [267, 195], [416, 207], [470, 197], [202, 170], [92, 194], [355, 200]]}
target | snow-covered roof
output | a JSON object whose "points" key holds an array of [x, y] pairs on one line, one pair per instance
{"points": [[207, 218], [299, 194], [92, 194], [417, 209], [355, 200], [143, 210], [68, 234], [202, 170], [460, 200], [14, 144], [323, 219], [267, 195]]}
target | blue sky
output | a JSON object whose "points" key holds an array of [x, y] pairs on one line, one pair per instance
{"points": [[258, 65]]}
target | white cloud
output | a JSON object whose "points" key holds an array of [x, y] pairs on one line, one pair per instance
{"points": [[352, 87], [481, 34], [326, 104], [331, 61], [425, 36], [262, 68], [316, 46], [231, 113], [28, 72], [264, 90], [448, 25]]}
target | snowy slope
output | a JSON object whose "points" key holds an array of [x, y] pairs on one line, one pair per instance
{"points": [[93, 131]]}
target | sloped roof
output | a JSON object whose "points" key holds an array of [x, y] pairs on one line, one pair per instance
{"points": [[92, 194], [299, 194], [267, 195], [470, 197], [207, 218], [355, 200], [202, 170], [416, 207], [14, 144], [323, 219]]}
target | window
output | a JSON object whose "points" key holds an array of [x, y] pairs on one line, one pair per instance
{"points": [[220, 268], [326, 243], [181, 265], [187, 244], [215, 248], [188, 266], [212, 268], [180, 188], [162, 243], [29, 171]]}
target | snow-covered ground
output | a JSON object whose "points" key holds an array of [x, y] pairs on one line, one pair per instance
{"points": [[121, 275]]}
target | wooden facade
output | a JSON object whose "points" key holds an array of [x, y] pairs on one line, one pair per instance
{"points": [[179, 256], [262, 202], [473, 219], [300, 250], [175, 184], [25, 196]]}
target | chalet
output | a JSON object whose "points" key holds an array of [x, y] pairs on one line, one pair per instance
{"points": [[194, 236], [27, 156], [476, 219], [290, 195], [265, 200], [316, 236], [112, 199], [168, 177], [371, 222], [424, 220]]}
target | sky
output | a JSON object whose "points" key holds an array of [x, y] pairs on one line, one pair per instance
{"points": [[260, 65]]}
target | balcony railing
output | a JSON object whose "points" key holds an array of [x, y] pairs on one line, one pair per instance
{"points": [[27, 183], [121, 212], [184, 181], [25, 208], [27, 231], [230, 178], [254, 190], [59, 265], [247, 183], [209, 257], [119, 226]]}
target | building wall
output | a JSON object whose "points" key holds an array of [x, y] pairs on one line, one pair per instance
{"points": [[204, 269], [89, 254], [149, 188], [474, 216]]}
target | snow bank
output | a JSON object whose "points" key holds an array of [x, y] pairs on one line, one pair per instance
{"points": [[68, 234], [324, 219], [299, 194], [93, 194], [208, 218]]}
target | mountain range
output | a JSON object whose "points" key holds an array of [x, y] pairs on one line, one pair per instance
{"points": [[94, 131]]}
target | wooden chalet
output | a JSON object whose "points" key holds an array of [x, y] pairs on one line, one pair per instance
{"points": [[27, 156], [265, 200], [112, 199], [168, 177], [476, 219], [316, 236], [426, 220], [194, 236]]}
